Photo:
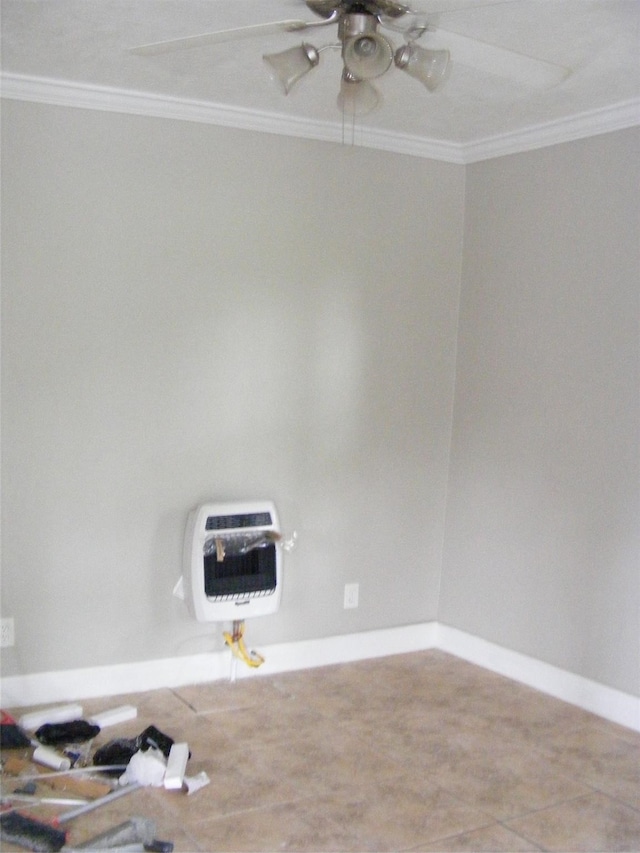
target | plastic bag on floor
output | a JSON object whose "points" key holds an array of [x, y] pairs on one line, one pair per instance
{"points": [[146, 768]]}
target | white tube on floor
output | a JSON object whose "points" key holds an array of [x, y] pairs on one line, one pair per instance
{"points": [[114, 716], [50, 758], [59, 714]]}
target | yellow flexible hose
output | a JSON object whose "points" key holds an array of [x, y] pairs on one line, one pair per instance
{"points": [[235, 642]]}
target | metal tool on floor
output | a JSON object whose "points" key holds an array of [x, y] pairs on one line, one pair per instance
{"points": [[96, 804], [135, 833]]}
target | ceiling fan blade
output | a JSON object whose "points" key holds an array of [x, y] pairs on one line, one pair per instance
{"points": [[412, 25], [221, 36], [502, 62]]}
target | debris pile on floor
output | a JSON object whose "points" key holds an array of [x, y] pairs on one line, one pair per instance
{"points": [[50, 752]]}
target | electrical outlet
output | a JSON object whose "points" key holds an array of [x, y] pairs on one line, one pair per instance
{"points": [[351, 591], [7, 632]]}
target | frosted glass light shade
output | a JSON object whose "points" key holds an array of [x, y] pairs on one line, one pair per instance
{"points": [[292, 64], [427, 66], [367, 55], [357, 97]]}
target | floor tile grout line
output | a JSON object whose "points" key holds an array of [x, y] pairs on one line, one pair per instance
{"points": [[267, 807], [615, 798], [553, 805], [569, 774], [183, 700], [456, 835], [524, 837]]}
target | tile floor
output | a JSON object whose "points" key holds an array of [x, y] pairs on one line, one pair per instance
{"points": [[416, 752]]}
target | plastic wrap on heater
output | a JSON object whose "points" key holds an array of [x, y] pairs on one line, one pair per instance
{"points": [[238, 544]]}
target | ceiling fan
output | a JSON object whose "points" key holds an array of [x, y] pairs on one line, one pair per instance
{"points": [[368, 54]]}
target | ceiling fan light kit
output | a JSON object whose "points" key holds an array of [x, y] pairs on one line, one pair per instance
{"points": [[357, 97], [428, 66], [290, 65], [367, 54]]}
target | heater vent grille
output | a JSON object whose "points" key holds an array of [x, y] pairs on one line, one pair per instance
{"points": [[243, 597], [231, 522], [252, 572]]}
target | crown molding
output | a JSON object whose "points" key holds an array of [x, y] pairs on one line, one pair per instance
{"points": [[592, 123], [106, 99], [64, 93]]}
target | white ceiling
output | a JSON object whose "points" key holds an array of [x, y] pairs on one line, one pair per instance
{"points": [[76, 52]]}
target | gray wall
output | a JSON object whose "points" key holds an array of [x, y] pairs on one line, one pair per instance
{"points": [[542, 549], [193, 313]]}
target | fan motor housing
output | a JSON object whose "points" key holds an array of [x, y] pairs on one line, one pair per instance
{"points": [[327, 8]]}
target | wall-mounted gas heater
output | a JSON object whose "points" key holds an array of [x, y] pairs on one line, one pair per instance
{"points": [[232, 562]]}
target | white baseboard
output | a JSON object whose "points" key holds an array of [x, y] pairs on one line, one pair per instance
{"points": [[599, 699], [69, 685], [352, 647]]}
